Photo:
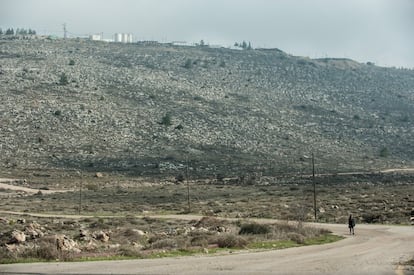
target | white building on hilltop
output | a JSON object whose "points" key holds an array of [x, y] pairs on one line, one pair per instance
{"points": [[123, 37], [96, 37]]}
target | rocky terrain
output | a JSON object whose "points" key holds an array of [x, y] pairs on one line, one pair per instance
{"points": [[148, 109]]}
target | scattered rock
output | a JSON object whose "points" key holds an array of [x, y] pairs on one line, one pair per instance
{"points": [[84, 235], [18, 237], [64, 243], [101, 236], [139, 232], [12, 248], [98, 175]]}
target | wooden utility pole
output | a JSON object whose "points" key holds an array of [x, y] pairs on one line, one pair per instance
{"points": [[65, 31], [188, 188], [314, 185], [80, 192]]}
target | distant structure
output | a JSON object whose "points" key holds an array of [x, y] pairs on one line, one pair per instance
{"points": [[65, 31], [123, 37], [182, 43], [96, 37]]}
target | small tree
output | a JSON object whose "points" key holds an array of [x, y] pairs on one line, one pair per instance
{"points": [[384, 152], [166, 120], [188, 64], [9, 32], [1, 31], [72, 62], [63, 79]]}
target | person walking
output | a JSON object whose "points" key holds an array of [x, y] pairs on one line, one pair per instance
{"points": [[351, 225]]}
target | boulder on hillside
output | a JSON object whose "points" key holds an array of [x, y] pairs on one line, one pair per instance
{"points": [[101, 236], [64, 243], [18, 236]]}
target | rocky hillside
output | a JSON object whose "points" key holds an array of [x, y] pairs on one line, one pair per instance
{"points": [[144, 109]]}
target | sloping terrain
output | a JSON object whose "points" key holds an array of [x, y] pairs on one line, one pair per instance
{"points": [[144, 109]]}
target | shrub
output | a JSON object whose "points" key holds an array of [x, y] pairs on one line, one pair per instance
{"points": [[254, 228], [63, 79], [231, 241], [72, 62], [371, 217], [164, 243], [199, 241], [47, 250], [180, 178], [166, 120], [188, 64], [92, 187], [130, 252], [384, 152], [296, 237]]}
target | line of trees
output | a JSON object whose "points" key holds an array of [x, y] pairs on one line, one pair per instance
{"points": [[21, 31], [244, 45]]}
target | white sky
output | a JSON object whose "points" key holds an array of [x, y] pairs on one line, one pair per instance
{"points": [[380, 31]]}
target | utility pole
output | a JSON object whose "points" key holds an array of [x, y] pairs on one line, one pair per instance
{"points": [[65, 32], [80, 192], [314, 185], [188, 188]]}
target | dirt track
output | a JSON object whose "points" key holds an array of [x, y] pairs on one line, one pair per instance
{"points": [[375, 249], [4, 184]]}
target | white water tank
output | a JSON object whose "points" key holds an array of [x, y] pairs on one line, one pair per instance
{"points": [[123, 37]]}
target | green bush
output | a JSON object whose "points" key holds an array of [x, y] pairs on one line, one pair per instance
{"points": [[72, 62], [166, 120], [384, 152], [254, 228], [63, 79]]}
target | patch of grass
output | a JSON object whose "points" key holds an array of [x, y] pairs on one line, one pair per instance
{"points": [[282, 244], [174, 253], [324, 239], [273, 244]]}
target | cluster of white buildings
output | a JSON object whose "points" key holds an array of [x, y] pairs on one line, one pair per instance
{"points": [[123, 37], [118, 37]]}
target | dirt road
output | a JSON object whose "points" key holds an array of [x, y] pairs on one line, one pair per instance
{"points": [[375, 249], [5, 184]]}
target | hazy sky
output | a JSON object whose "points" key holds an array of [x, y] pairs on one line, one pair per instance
{"points": [[380, 31]]}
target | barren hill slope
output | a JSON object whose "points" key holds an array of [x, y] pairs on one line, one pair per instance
{"points": [[144, 109]]}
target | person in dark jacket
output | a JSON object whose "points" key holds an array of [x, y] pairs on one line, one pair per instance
{"points": [[351, 225]]}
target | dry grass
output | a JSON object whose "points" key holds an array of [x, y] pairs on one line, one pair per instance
{"points": [[387, 200], [150, 238]]}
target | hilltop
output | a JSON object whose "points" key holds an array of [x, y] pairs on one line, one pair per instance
{"points": [[144, 109]]}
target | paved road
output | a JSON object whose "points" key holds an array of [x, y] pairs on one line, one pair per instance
{"points": [[375, 249]]}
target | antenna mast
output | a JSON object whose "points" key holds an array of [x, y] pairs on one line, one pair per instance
{"points": [[65, 31]]}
